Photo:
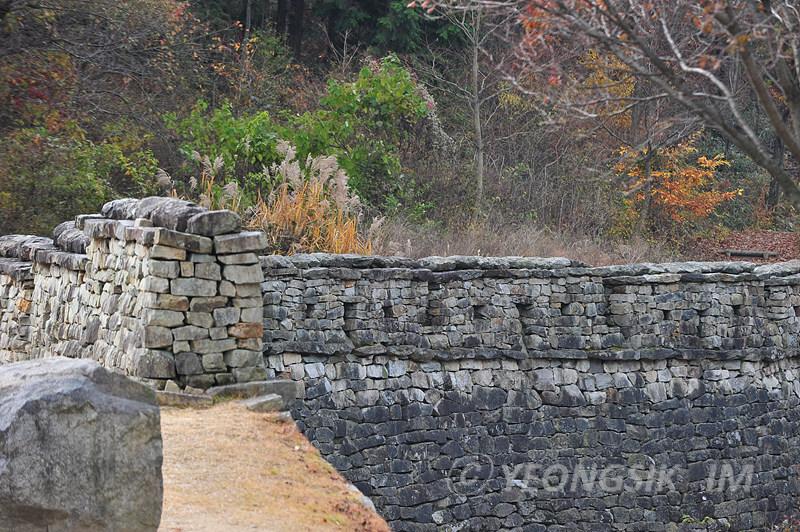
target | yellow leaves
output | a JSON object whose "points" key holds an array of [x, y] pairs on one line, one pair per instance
{"points": [[714, 163], [613, 82]]}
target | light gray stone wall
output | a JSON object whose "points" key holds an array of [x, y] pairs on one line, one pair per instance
{"points": [[158, 288]]}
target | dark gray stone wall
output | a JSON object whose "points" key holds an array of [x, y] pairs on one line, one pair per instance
{"points": [[527, 394]]}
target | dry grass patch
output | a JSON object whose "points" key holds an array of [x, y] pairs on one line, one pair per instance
{"points": [[494, 239], [228, 469]]}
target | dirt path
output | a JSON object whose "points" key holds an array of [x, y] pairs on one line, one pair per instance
{"points": [[228, 469]]}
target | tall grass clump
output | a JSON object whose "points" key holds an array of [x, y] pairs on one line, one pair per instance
{"points": [[310, 209]]}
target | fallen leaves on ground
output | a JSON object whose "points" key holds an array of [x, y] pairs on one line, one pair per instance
{"points": [[786, 245]]}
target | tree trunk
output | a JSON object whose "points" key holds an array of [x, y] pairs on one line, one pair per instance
{"points": [[648, 193], [476, 116], [246, 41], [296, 26], [280, 17], [774, 194]]}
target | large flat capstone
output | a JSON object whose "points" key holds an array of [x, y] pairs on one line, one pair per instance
{"points": [[80, 448]]}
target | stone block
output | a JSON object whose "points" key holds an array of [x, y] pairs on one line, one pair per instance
{"points": [[243, 274], [170, 213], [180, 346], [163, 318], [198, 258], [213, 362], [169, 398], [543, 380], [207, 270], [157, 285], [227, 289], [252, 314], [213, 346], [153, 364], [246, 330], [193, 287], [247, 302], [213, 223], [200, 319], [189, 332], [224, 379], [168, 269], [202, 381], [253, 344], [187, 269], [185, 241], [240, 242], [226, 316], [240, 358], [154, 336], [264, 403], [217, 333], [248, 290], [488, 398], [166, 253], [120, 209], [188, 364], [165, 302], [207, 304], [239, 258], [251, 374]]}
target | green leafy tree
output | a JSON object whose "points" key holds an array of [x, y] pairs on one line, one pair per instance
{"points": [[366, 124]]}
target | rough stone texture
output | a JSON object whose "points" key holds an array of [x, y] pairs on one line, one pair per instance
{"points": [[241, 242], [460, 391], [175, 239], [80, 448], [139, 295], [69, 238], [184, 399], [214, 223], [174, 214], [121, 209], [438, 386], [264, 403]]}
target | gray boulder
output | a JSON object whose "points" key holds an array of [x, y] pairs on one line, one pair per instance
{"points": [[169, 213], [120, 209], [80, 449], [69, 238]]}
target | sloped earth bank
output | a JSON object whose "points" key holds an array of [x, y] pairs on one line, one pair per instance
{"points": [[785, 245], [228, 469]]}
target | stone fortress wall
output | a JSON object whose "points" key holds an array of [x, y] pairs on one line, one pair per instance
{"points": [[459, 393], [471, 393], [160, 289]]}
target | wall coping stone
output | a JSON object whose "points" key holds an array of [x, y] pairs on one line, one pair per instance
{"points": [[462, 267], [16, 269]]}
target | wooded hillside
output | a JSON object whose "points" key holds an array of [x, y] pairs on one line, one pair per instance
{"points": [[609, 131]]}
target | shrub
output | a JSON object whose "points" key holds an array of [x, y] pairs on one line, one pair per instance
{"points": [[46, 178]]}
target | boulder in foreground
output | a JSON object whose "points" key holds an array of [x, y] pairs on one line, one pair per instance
{"points": [[80, 448]]}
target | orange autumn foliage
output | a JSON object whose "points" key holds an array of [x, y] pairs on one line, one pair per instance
{"points": [[683, 188]]}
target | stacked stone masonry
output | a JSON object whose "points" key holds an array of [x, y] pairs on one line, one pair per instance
{"points": [[459, 393], [160, 289], [469, 393]]}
